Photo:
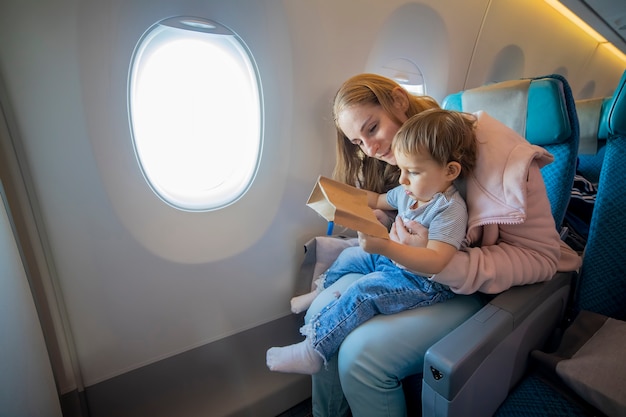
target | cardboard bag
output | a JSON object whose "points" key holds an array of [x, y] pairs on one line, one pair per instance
{"points": [[346, 206]]}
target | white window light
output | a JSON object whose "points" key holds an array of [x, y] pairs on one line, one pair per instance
{"points": [[195, 113]]}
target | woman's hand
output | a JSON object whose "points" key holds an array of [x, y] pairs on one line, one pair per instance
{"points": [[383, 217], [409, 233]]}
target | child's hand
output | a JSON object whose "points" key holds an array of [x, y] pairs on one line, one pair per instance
{"points": [[371, 244], [409, 233]]}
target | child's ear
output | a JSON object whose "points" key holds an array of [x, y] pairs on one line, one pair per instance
{"points": [[454, 170]]}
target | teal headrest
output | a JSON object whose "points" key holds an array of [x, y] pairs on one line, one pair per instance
{"points": [[547, 119]]}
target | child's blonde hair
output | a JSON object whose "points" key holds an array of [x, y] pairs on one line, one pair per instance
{"points": [[448, 136]]}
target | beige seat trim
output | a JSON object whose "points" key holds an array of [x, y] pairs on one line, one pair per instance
{"points": [[499, 100]]}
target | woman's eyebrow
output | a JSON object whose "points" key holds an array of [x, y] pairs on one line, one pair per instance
{"points": [[366, 122]]}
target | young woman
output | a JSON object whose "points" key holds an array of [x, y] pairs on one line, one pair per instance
{"points": [[511, 233]]}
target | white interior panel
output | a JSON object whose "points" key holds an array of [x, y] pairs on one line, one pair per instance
{"points": [[26, 383], [564, 47]]}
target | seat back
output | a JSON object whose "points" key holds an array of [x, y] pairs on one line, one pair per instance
{"points": [[592, 118], [602, 281], [591, 149], [543, 111]]}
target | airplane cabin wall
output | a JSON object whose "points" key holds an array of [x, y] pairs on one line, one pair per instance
{"points": [[143, 282], [23, 350], [536, 40]]}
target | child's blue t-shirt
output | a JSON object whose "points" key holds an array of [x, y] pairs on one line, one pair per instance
{"points": [[445, 216]]}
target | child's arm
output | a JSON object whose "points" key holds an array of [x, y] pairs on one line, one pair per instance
{"points": [[378, 201], [426, 261]]}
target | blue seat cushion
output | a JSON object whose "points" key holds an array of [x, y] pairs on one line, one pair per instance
{"points": [[533, 396]]}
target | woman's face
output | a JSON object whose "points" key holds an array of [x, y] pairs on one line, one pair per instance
{"points": [[372, 128]]}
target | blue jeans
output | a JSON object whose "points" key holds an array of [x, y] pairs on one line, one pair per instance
{"points": [[384, 288], [365, 375]]}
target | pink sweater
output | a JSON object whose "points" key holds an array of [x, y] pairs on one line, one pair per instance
{"points": [[511, 232]]}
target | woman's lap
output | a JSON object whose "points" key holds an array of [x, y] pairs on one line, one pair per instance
{"points": [[378, 354], [328, 295]]}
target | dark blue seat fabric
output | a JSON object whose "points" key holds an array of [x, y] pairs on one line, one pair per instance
{"points": [[590, 166], [593, 134], [601, 286], [559, 175], [535, 397]]}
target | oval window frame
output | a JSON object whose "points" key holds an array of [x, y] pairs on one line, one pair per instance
{"points": [[231, 186]]}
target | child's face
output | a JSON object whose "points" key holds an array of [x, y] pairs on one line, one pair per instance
{"points": [[422, 176]]}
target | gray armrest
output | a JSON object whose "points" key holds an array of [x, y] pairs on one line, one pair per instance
{"points": [[475, 365]]}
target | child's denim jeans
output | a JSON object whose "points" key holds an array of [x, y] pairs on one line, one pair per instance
{"points": [[384, 288]]}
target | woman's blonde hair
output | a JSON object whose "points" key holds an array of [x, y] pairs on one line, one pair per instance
{"points": [[447, 136], [352, 165]]}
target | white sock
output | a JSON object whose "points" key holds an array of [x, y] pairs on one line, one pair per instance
{"points": [[300, 358], [303, 302]]}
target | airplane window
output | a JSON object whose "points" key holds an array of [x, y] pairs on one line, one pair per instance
{"points": [[406, 73], [195, 113]]}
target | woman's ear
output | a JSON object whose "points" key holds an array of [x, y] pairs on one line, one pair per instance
{"points": [[400, 99], [454, 170]]}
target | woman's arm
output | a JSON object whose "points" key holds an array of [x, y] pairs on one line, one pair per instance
{"points": [[510, 254]]}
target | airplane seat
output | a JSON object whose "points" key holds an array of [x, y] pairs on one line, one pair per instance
{"points": [[593, 135], [598, 301], [472, 369]]}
